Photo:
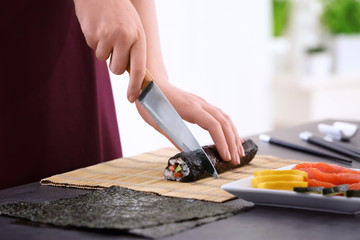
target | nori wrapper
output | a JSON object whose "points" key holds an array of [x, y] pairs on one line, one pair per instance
{"points": [[194, 161], [118, 208]]}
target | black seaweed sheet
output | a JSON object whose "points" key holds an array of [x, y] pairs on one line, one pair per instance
{"points": [[118, 208], [197, 170]]}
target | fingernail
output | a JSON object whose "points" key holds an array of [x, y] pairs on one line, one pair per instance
{"points": [[228, 155], [242, 151], [132, 99], [235, 159]]}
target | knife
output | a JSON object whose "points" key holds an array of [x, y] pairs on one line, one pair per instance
{"points": [[161, 110]]}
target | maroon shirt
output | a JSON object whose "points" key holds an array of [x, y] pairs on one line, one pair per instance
{"points": [[56, 104]]}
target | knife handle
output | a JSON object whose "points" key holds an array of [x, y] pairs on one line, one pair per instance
{"points": [[147, 79]]}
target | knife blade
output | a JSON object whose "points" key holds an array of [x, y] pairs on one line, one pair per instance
{"points": [[165, 115]]}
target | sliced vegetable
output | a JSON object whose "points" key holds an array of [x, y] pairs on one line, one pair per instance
{"points": [[178, 174], [282, 185], [277, 172], [337, 190], [309, 189], [273, 178], [336, 180], [178, 168], [352, 193], [172, 168], [279, 179]]}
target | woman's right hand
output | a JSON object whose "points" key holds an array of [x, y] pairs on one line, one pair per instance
{"points": [[113, 28]]}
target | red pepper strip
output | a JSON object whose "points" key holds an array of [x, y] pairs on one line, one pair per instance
{"points": [[172, 168], [178, 174]]}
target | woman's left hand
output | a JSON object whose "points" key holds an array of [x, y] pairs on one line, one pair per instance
{"points": [[196, 110]]}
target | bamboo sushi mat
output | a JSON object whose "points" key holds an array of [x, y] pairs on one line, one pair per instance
{"points": [[145, 172]]}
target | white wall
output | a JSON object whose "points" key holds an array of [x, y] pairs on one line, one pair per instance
{"points": [[218, 50]]}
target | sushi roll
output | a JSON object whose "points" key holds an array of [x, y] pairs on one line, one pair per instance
{"points": [[188, 167]]}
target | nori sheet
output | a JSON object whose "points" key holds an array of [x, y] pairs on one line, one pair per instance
{"points": [[197, 170], [118, 208]]}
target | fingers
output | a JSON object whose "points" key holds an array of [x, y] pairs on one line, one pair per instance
{"points": [[207, 121], [115, 29], [123, 56], [119, 60], [233, 141], [239, 140], [103, 50], [219, 125], [137, 69]]}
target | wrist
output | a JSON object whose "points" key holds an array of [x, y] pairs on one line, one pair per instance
{"points": [[160, 76]]}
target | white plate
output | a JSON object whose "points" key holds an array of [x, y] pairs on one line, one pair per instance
{"points": [[280, 198]]}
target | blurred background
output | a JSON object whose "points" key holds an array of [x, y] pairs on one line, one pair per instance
{"points": [[268, 64]]}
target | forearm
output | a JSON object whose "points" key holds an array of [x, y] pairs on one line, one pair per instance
{"points": [[154, 61]]}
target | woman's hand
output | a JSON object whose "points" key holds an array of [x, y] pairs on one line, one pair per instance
{"points": [[196, 110], [113, 28]]}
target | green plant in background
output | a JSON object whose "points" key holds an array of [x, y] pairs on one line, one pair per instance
{"points": [[281, 12], [341, 16]]}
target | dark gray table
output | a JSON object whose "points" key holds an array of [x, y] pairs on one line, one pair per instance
{"points": [[258, 223]]}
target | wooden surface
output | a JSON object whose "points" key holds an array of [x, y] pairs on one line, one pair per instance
{"points": [[145, 172]]}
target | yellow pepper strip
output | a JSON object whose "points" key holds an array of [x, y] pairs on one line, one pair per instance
{"points": [[282, 185], [273, 178], [275, 172]]}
